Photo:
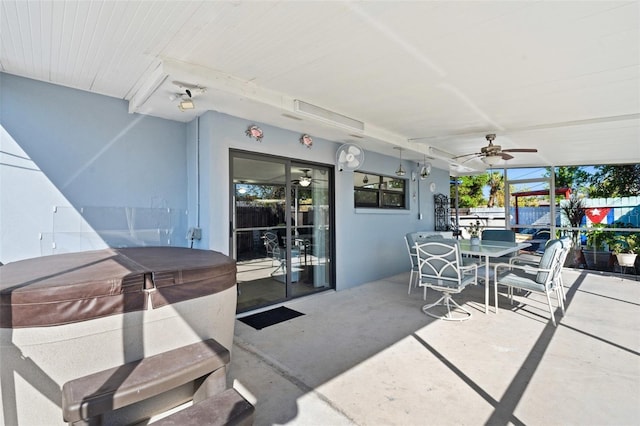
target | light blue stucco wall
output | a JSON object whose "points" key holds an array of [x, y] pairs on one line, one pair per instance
{"points": [[369, 243], [64, 147], [64, 150]]}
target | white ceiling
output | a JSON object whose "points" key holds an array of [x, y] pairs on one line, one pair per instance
{"points": [[562, 77]]}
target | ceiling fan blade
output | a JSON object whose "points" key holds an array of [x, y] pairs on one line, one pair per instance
{"points": [[471, 158], [520, 150], [506, 156], [354, 150], [466, 155]]}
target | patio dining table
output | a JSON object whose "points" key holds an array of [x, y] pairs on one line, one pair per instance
{"points": [[488, 249]]}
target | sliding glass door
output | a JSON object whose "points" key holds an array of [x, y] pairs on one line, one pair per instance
{"points": [[281, 228]]}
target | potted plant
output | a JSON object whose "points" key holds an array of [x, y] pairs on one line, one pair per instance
{"points": [[626, 247], [474, 232], [574, 211]]}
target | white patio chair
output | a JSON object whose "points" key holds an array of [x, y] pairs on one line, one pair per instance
{"points": [[440, 267], [410, 240], [544, 278], [413, 257], [271, 246], [534, 260], [567, 244]]}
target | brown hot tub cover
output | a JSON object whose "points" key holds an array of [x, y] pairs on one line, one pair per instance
{"points": [[73, 287]]}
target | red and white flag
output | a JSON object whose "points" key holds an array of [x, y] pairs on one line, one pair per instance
{"points": [[596, 214]]}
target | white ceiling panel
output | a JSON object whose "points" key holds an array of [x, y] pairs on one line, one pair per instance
{"points": [[561, 77]]}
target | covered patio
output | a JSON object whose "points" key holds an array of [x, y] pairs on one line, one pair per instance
{"points": [[102, 145], [391, 364]]}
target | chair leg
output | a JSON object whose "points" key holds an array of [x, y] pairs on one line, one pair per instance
{"points": [[553, 318], [417, 281], [410, 280], [561, 283], [281, 266], [559, 295], [446, 300]]}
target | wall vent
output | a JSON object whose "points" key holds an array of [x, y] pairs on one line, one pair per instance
{"points": [[327, 116]]}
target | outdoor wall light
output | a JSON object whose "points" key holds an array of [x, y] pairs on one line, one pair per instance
{"points": [[186, 104]]}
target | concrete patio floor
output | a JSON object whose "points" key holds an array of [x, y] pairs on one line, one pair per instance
{"points": [[369, 356]]}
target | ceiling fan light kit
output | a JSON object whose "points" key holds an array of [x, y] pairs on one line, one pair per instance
{"points": [[493, 155], [493, 160], [305, 180]]}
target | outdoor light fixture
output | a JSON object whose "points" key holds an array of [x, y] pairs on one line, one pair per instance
{"points": [[186, 102], [425, 171], [365, 179], [400, 171], [186, 94], [492, 160]]}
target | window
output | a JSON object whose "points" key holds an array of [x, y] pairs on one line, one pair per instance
{"points": [[375, 191]]}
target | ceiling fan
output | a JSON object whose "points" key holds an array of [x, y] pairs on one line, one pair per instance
{"points": [[304, 180], [494, 154]]}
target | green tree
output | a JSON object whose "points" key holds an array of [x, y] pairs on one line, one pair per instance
{"points": [[496, 189], [528, 201], [574, 177], [470, 190], [615, 181]]}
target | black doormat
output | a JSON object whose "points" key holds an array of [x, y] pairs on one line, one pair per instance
{"points": [[270, 317]]}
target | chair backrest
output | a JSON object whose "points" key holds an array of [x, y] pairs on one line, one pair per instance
{"points": [[550, 260], [412, 238], [499, 235], [408, 240], [271, 242], [439, 261], [567, 243]]}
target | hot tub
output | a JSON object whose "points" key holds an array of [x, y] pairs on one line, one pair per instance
{"points": [[69, 315]]}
